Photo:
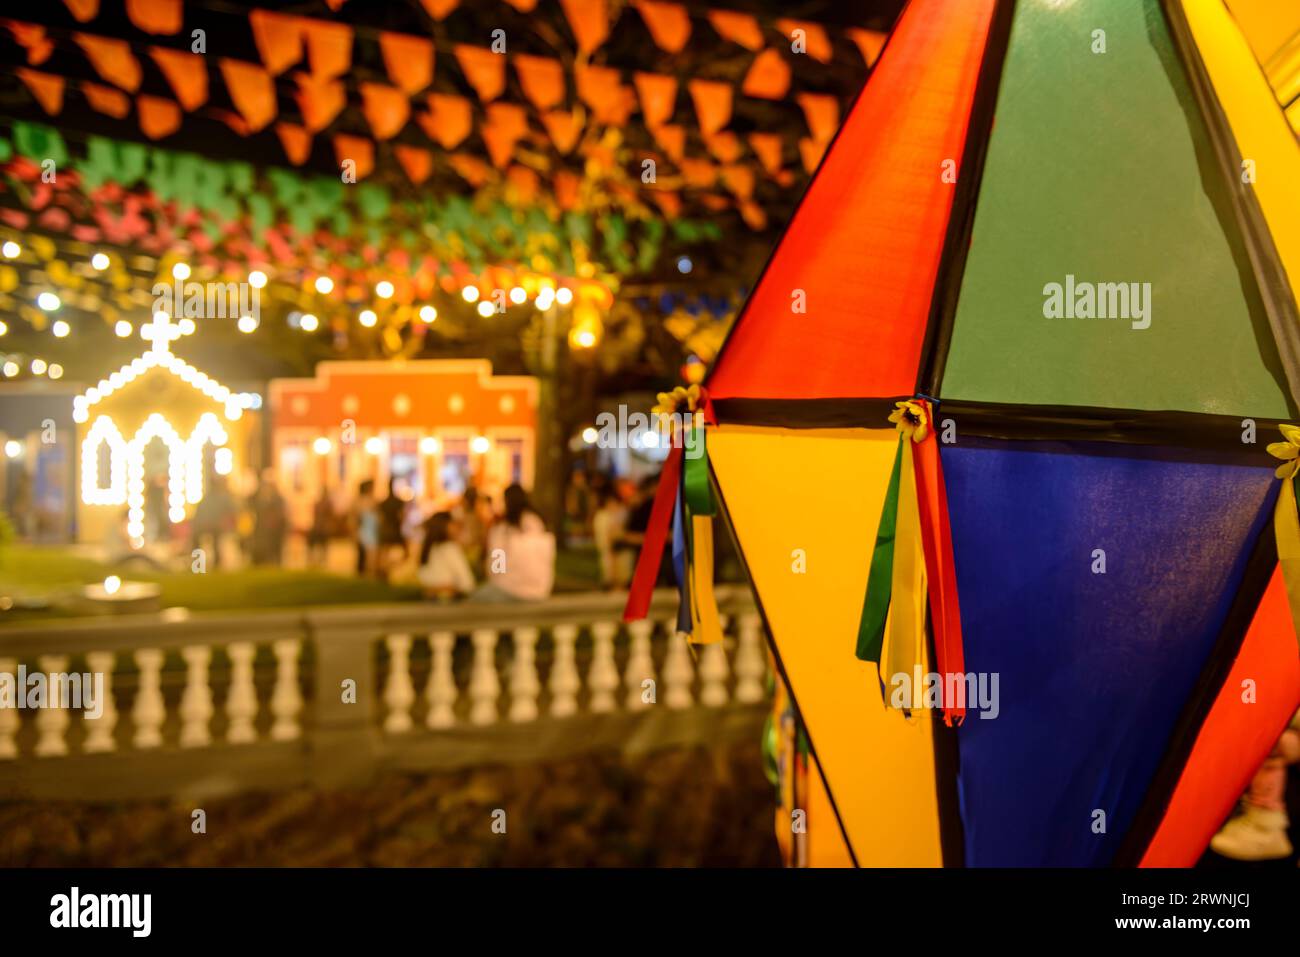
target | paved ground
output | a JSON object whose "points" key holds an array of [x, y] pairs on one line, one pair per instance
{"points": [[681, 808]]}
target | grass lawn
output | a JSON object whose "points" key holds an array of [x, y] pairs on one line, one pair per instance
{"points": [[45, 582]]}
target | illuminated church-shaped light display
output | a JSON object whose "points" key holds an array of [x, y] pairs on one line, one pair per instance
{"points": [[157, 426]]}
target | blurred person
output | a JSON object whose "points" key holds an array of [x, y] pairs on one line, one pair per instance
{"points": [[213, 517], [392, 517], [365, 525], [520, 561], [444, 570], [269, 521], [1259, 832], [606, 526], [472, 516], [321, 530]]}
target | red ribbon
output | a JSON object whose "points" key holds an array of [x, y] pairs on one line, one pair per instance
{"points": [[656, 533], [940, 569]]}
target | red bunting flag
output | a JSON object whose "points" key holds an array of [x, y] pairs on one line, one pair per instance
{"points": [[31, 37], [111, 59], [106, 100]]}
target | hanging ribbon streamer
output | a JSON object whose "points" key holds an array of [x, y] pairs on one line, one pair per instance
{"points": [[683, 500], [1286, 518], [912, 561]]}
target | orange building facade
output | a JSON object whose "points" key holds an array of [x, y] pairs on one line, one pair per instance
{"points": [[433, 427]]}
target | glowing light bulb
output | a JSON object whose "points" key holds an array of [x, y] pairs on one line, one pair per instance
{"points": [[246, 324], [585, 339], [99, 261], [429, 445], [374, 445], [181, 271], [384, 289], [309, 322], [186, 327], [367, 318], [13, 448], [589, 435], [56, 371], [485, 309], [39, 366], [480, 444], [111, 585], [60, 329], [428, 313], [122, 328], [11, 250], [48, 301], [518, 295], [322, 446], [545, 299], [470, 294], [257, 279], [564, 295], [4, 327], [324, 285]]}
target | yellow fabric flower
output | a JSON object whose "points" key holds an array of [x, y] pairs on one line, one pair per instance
{"points": [[912, 418], [681, 400], [1288, 451]]}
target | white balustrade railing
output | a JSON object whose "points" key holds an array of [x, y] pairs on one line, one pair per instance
{"points": [[379, 675]]}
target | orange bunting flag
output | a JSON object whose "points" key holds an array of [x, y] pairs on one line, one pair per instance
{"points": [[822, 111], [542, 79], [251, 90], [669, 24], [767, 147], [523, 185], [668, 201], [698, 172], [329, 47], [506, 124], [356, 150], [31, 37], [563, 129], [811, 152], [566, 185], [278, 38], [471, 168], [724, 146], [47, 88], [753, 215], [738, 28], [739, 179], [438, 9], [658, 95], [319, 101], [415, 162], [672, 140], [158, 117], [296, 141], [589, 21], [106, 100], [712, 104], [768, 76], [159, 17], [112, 60], [186, 72], [385, 108], [83, 11], [870, 43], [485, 70], [448, 121], [601, 88], [523, 6], [408, 60], [815, 41]]}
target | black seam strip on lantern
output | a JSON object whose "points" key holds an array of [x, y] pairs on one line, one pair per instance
{"points": [[1266, 267], [1192, 431], [1232, 634], [776, 246], [780, 665], [961, 217]]}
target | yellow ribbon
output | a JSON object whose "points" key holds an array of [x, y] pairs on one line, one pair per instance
{"points": [[1286, 518], [905, 632], [706, 628]]}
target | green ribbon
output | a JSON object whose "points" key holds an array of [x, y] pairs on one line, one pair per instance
{"points": [[880, 582], [699, 496]]}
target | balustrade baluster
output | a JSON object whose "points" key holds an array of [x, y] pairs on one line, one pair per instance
{"points": [[484, 683], [524, 686], [602, 678], [399, 690], [149, 710], [713, 671], [563, 684], [286, 698], [9, 716], [640, 664], [196, 701], [749, 666], [241, 699], [441, 689], [678, 673], [99, 731]]}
